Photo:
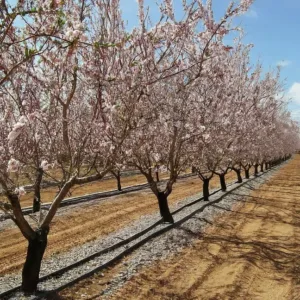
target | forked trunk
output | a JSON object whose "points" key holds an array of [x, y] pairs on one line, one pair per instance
{"points": [[164, 208], [247, 175], [32, 266], [223, 182], [255, 170], [206, 189]]}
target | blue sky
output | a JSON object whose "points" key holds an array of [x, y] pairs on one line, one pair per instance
{"points": [[273, 26]]}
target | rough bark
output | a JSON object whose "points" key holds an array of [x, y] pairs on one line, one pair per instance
{"points": [[206, 189], [222, 182], [164, 207], [32, 266]]}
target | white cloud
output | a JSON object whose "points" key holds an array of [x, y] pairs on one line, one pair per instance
{"points": [[294, 93], [283, 63], [251, 14]]}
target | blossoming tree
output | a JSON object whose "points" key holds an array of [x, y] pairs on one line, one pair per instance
{"points": [[82, 96]]}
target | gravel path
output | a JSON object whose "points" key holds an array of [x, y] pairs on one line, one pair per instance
{"points": [[158, 248]]}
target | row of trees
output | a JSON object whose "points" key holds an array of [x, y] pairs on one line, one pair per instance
{"points": [[82, 95]]}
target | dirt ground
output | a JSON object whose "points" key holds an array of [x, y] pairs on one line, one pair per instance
{"points": [[81, 225], [48, 194], [251, 253]]}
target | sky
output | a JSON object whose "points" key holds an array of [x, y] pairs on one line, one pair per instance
{"points": [[273, 26]]}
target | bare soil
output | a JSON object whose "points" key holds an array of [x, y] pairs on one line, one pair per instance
{"points": [[252, 252], [90, 222], [48, 194]]}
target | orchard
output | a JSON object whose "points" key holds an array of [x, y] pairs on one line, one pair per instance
{"points": [[81, 96]]}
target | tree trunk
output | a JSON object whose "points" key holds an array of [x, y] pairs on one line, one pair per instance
{"points": [[238, 174], [206, 189], [223, 182], [255, 170], [119, 181], [157, 176], [266, 166], [37, 191], [36, 204], [32, 266], [262, 167], [247, 175], [164, 208]]}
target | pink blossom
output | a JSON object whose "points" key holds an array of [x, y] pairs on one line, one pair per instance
{"points": [[45, 165], [13, 165], [20, 191]]}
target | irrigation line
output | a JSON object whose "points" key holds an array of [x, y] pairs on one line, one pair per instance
{"points": [[130, 239], [47, 184], [95, 196]]}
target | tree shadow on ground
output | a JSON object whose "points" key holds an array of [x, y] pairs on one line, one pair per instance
{"points": [[274, 253]]}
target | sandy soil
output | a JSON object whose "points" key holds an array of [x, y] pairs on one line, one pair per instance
{"points": [[252, 252], [48, 194], [83, 224]]}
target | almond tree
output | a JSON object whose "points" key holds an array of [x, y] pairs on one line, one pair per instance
{"points": [[57, 113], [217, 105], [165, 125], [82, 96], [238, 112]]}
